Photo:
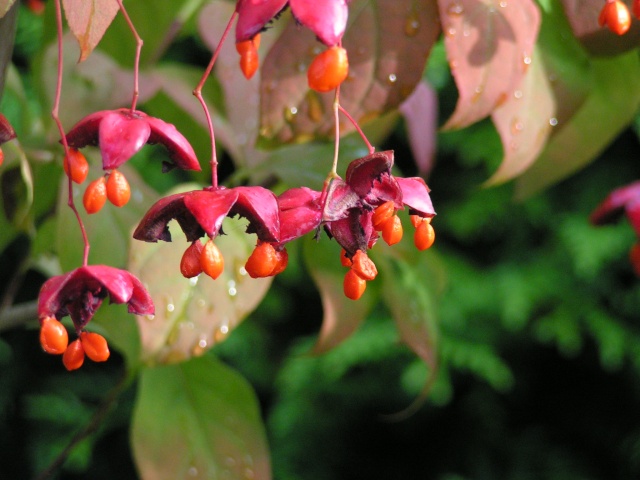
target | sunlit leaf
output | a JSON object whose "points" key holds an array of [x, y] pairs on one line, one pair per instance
{"points": [[109, 230], [613, 97], [583, 18], [192, 315], [388, 43], [198, 420], [489, 46], [524, 122], [5, 5], [341, 316], [88, 20], [420, 112]]}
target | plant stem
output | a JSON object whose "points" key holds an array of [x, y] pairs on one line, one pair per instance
{"points": [[136, 65], [198, 94], [358, 129], [94, 423], [63, 137]]}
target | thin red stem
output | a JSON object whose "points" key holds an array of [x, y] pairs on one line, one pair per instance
{"points": [[63, 137], [358, 129], [198, 94], [136, 65]]}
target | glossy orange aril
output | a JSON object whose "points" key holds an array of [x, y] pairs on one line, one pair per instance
{"points": [[211, 260], [383, 213], [262, 261], [95, 346], [190, 263], [118, 189], [354, 285], [392, 230], [76, 166], [283, 261], [95, 196], [615, 15], [364, 266], [1, 157], [424, 236], [328, 69], [249, 59], [53, 336], [344, 260], [73, 357]]}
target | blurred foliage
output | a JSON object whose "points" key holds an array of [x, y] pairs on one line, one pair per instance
{"points": [[538, 346]]}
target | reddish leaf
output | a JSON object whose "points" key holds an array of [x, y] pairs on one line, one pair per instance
{"points": [[388, 43], [524, 122], [489, 45], [583, 18], [341, 316], [420, 113], [88, 20]]}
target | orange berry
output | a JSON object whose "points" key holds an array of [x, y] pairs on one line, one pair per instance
{"points": [[53, 336], [262, 261], [76, 166], [392, 230], [36, 6], [95, 346], [615, 15], [190, 263], [95, 195], [328, 69], [382, 213], [344, 260], [73, 356], [364, 266], [283, 261], [417, 220], [118, 190], [424, 236], [1, 157], [249, 63], [211, 260], [354, 285]]}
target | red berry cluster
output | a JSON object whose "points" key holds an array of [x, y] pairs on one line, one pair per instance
{"points": [[616, 16]]}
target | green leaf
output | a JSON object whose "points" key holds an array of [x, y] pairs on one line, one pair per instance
{"points": [[197, 420], [194, 314], [341, 316], [613, 102]]}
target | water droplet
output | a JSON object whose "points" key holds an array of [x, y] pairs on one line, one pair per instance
{"points": [[477, 93], [412, 24], [453, 64], [242, 271], [231, 285], [230, 461], [150, 318], [290, 113], [503, 3], [170, 307], [455, 9], [224, 329], [466, 31], [516, 126], [200, 347], [249, 473], [301, 67], [517, 94], [391, 79], [451, 31], [201, 303], [221, 333], [553, 121], [193, 281], [192, 472]]}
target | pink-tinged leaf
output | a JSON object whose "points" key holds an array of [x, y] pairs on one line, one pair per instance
{"points": [[253, 15], [300, 212], [524, 122], [198, 420], [194, 314], [420, 112], [489, 45], [583, 18], [612, 98], [88, 20], [326, 18], [387, 43], [5, 5], [415, 195], [178, 147], [341, 316], [120, 137]]}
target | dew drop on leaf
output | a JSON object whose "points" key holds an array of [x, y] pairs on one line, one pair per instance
{"points": [[455, 9], [412, 24], [516, 126], [392, 78], [553, 121]]}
